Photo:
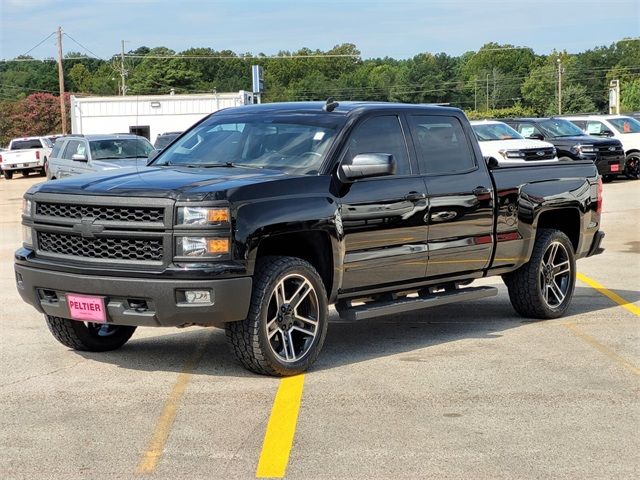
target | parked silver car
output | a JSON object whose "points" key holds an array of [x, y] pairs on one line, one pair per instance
{"points": [[77, 154]]}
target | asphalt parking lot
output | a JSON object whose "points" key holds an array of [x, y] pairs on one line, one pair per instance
{"points": [[461, 391]]}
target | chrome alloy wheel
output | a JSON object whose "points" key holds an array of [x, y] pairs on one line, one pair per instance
{"points": [[555, 274], [292, 315]]}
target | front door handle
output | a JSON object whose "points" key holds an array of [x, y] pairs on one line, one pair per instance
{"points": [[481, 191], [415, 196]]}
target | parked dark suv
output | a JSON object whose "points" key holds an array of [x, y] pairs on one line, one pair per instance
{"points": [[573, 144]]}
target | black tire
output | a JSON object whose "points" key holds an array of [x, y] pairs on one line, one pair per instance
{"points": [[92, 337], [25, 173], [528, 284], [249, 339], [632, 166], [8, 174]]}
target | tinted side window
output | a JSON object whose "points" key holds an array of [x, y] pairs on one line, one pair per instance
{"points": [[441, 145], [579, 123], [381, 135], [73, 147]]}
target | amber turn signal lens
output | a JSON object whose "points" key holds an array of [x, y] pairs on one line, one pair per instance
{"points": [[217, 215], [218, 245]]}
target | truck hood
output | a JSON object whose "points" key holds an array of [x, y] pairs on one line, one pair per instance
{"points": [[179, 183], [585, 140], [492, 148]]}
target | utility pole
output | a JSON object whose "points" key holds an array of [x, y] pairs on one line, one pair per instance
{"points": [[63, 112], [487, 92], [123, 72], [559, 86], [475, 94]]}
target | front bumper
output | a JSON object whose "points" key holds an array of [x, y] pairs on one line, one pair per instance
{"points": [[605, 164], [137, 301]]}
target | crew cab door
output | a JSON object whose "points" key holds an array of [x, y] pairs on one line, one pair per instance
{"points": [[460, 194], [383, 218]]}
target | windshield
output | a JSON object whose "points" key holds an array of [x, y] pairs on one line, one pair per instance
{"points": [[625, 124], [120, 148], [487, 132], [293, 143], [560, 128]]}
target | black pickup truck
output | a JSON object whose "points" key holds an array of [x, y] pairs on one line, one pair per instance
{"points": [[259, 217], [573, 144]]}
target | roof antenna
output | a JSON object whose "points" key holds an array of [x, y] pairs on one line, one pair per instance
{"points": [[330, 105]]}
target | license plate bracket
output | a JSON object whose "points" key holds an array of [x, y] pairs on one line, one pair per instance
{"points": [[86, 308], [615, 167]]}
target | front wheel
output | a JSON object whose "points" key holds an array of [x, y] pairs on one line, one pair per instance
{"points": [[287, 321], [92, 337], [8, 174], [543, 287], [632, 166]]}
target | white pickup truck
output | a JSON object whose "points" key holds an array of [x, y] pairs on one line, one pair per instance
{"points": [[508, 147], [25, 155]]}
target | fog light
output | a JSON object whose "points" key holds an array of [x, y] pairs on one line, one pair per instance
{"points": [[197, 296]]}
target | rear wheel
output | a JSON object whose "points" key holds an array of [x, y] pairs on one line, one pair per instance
{"points": [[8, 174], [25, 173], [92, 337], [287, 321], [543, 287], [632, 166]]}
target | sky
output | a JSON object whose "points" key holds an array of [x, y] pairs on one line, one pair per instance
{"points": [[398, 29]]}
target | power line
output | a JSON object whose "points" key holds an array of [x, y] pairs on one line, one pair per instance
{"points": [[37, 45], [82, 46], [244, 57]]}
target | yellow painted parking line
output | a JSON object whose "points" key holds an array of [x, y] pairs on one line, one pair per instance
{"points": [[609, 294], [573, 328], [154, 451], [281, 428]]}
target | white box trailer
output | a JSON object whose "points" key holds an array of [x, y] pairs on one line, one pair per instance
{"points": [[148, 115]]}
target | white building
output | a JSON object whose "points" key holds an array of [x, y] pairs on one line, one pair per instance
{"points": [[148, 115]]}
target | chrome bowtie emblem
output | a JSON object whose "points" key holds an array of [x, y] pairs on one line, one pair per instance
{"points": [[612, 149]]}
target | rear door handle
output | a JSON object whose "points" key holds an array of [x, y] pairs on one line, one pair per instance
{"points": [[481, 191], [415, 196]]}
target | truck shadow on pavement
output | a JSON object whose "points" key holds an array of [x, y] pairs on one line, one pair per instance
{"points": [[350, 342]]}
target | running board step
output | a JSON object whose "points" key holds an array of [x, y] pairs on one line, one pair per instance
{"points": [[380, 308]]}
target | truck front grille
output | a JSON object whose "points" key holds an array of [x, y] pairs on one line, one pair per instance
{"points": [[100, 212], [607, 152], [535, 154], [112, 248]]}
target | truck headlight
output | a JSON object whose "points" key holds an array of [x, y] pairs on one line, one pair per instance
{"points": [[27, 236], [26, 207], [580, 149], [202, 216], [512, 153], [200, 247]]}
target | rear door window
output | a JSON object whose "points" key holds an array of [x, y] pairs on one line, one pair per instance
{"points": [[441, 144]]}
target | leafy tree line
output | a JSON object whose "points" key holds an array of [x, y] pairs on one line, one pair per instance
{"points": [[484, 83]]}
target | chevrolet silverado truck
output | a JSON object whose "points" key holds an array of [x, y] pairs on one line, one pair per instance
{"points": [[260, 217]]}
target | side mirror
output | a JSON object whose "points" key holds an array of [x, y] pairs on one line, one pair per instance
{"points": [[491, 162], [79, 157], [536, 136], [366, 165], [607, 133], [152, 155]]}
